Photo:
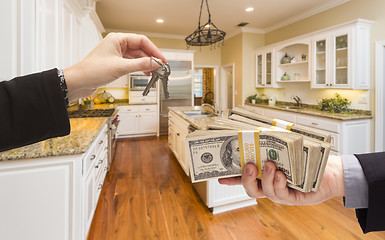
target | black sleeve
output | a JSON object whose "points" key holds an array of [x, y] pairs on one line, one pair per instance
{"points": [[32, 109], [373, 217]]}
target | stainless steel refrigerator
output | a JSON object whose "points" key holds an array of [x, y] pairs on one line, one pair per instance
{"points": [[179, 88]]}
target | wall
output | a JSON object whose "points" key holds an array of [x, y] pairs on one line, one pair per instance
{"points": [[250, 42], [371, 10], [231, 52]]}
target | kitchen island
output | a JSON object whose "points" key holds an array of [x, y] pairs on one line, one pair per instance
{"points": [[218, 198], [50, 189]]}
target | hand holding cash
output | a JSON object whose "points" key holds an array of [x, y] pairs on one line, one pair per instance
{"points": [[273, 184]]}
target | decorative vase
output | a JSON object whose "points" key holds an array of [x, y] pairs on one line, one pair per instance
{"points": [[285, 77], [285, 59]]}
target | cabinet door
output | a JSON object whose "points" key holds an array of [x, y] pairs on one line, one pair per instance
{"points": [[128, 124], [147, 122], [320, 62], [259, 69], [182, 153], [341, 62], [267, 67], [88, 203]]}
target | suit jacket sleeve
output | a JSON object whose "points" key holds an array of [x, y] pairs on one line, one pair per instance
{"points": [[373, 217], [32, 109]]}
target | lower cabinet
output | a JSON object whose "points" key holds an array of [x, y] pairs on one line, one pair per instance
{"points": [[347, 136], [137, 120], [219, 198], [53, 197]]}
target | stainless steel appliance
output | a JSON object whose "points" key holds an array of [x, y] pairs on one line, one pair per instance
{"points": [[113, 127], [179, 88], [138, 82]]}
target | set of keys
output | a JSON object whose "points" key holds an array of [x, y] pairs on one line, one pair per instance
{"points": [[161, 73]]}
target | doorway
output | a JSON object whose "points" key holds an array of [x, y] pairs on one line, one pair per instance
{"points": [[379, 115], [227, 99], [205, 85]]}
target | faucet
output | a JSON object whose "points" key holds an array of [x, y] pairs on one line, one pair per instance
{"points": [[210, 106], [297, 100]]}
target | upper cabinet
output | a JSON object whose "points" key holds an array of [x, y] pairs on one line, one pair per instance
{"points": [[336, 57], [341, 57], [264, 68], [292, 62]]}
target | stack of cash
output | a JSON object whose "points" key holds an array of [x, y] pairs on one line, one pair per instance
{"points": [[224, 149]]}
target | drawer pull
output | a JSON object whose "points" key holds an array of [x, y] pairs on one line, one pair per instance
{"points": [[106, 168], [93, 157], [100, 161], [100, 186], [315, 124], [101, 141], [128, 110]]}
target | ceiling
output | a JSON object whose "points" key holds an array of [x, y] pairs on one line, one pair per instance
{"points": [[181, 16]]}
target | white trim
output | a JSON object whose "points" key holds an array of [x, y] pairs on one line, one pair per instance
{"points": [[306, 14], [148, 34], [95, 18], [223, 87], [216, 80], [379, 96]]}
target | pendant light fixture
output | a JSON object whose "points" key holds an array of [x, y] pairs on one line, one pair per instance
{"points": [[206, 34]]}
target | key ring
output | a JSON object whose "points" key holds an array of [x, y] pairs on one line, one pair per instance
{"points": [[160, 64]]}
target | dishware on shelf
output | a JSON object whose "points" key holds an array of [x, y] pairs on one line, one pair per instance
{"points": [[285, 59], [285, 77], [296, 76], [303, 56]]}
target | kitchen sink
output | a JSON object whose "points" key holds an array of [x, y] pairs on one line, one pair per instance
{"points": [[197, 114], [290, 107]]}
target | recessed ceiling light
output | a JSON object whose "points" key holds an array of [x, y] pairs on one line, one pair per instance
{"points": [[159, 20], [249, 9]]}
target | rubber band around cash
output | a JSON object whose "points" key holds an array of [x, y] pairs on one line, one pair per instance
{"points": [[282, 124], [249, 149]]}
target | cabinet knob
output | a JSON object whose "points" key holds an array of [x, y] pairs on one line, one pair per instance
{"points": [[315, 124], [100, 186], [177, 134], [93, 157], [101, 141]]}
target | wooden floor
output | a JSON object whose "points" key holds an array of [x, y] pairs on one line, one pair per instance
{"points": [[147, 195]]}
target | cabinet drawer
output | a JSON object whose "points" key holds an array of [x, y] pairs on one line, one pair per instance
{"points": [[315, 122], [128, 109], [147, 108], [152, 93], [290, 117]]}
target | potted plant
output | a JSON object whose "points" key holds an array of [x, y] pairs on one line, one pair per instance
{"points": [[252, 98], [337, 104]]}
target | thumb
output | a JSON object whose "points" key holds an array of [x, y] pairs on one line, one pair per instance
{"points": [[143, 64]]}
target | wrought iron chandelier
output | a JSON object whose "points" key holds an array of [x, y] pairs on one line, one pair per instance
{"points": [[206, 34]]}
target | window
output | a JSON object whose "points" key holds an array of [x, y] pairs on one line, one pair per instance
{"points": [[198, 75]]}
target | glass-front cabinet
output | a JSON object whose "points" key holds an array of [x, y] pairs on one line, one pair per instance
{"points": [[264, 66], [332, 62]]}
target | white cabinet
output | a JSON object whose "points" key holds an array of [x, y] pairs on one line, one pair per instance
{"points": [[265, 75], [136, 97], [347, 136], [341, 57], [137, 120], [298, 69], [178, 130], [219, 198]]}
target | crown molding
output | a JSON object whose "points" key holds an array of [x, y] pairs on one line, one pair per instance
{"points": [[306, 14], [148, 34]]}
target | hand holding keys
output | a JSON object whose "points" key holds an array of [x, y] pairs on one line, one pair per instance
{"points": [[162, 72]]}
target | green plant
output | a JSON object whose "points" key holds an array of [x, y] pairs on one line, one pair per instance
{"points": [[337, 104], [251, 97]]}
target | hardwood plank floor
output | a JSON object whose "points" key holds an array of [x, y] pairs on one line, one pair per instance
{"points": [[147, 195]]}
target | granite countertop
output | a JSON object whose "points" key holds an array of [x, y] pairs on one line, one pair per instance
{"points": [[197, 122], [83, 133], [314, 111]]}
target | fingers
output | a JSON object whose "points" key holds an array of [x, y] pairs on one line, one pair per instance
{"points": [[130, 41], [268, 175], [250, 181], [231, 181], [145, 64], [281, 190]]}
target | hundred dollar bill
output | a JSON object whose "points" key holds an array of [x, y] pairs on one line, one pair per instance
{"points": [[216, 154]]}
